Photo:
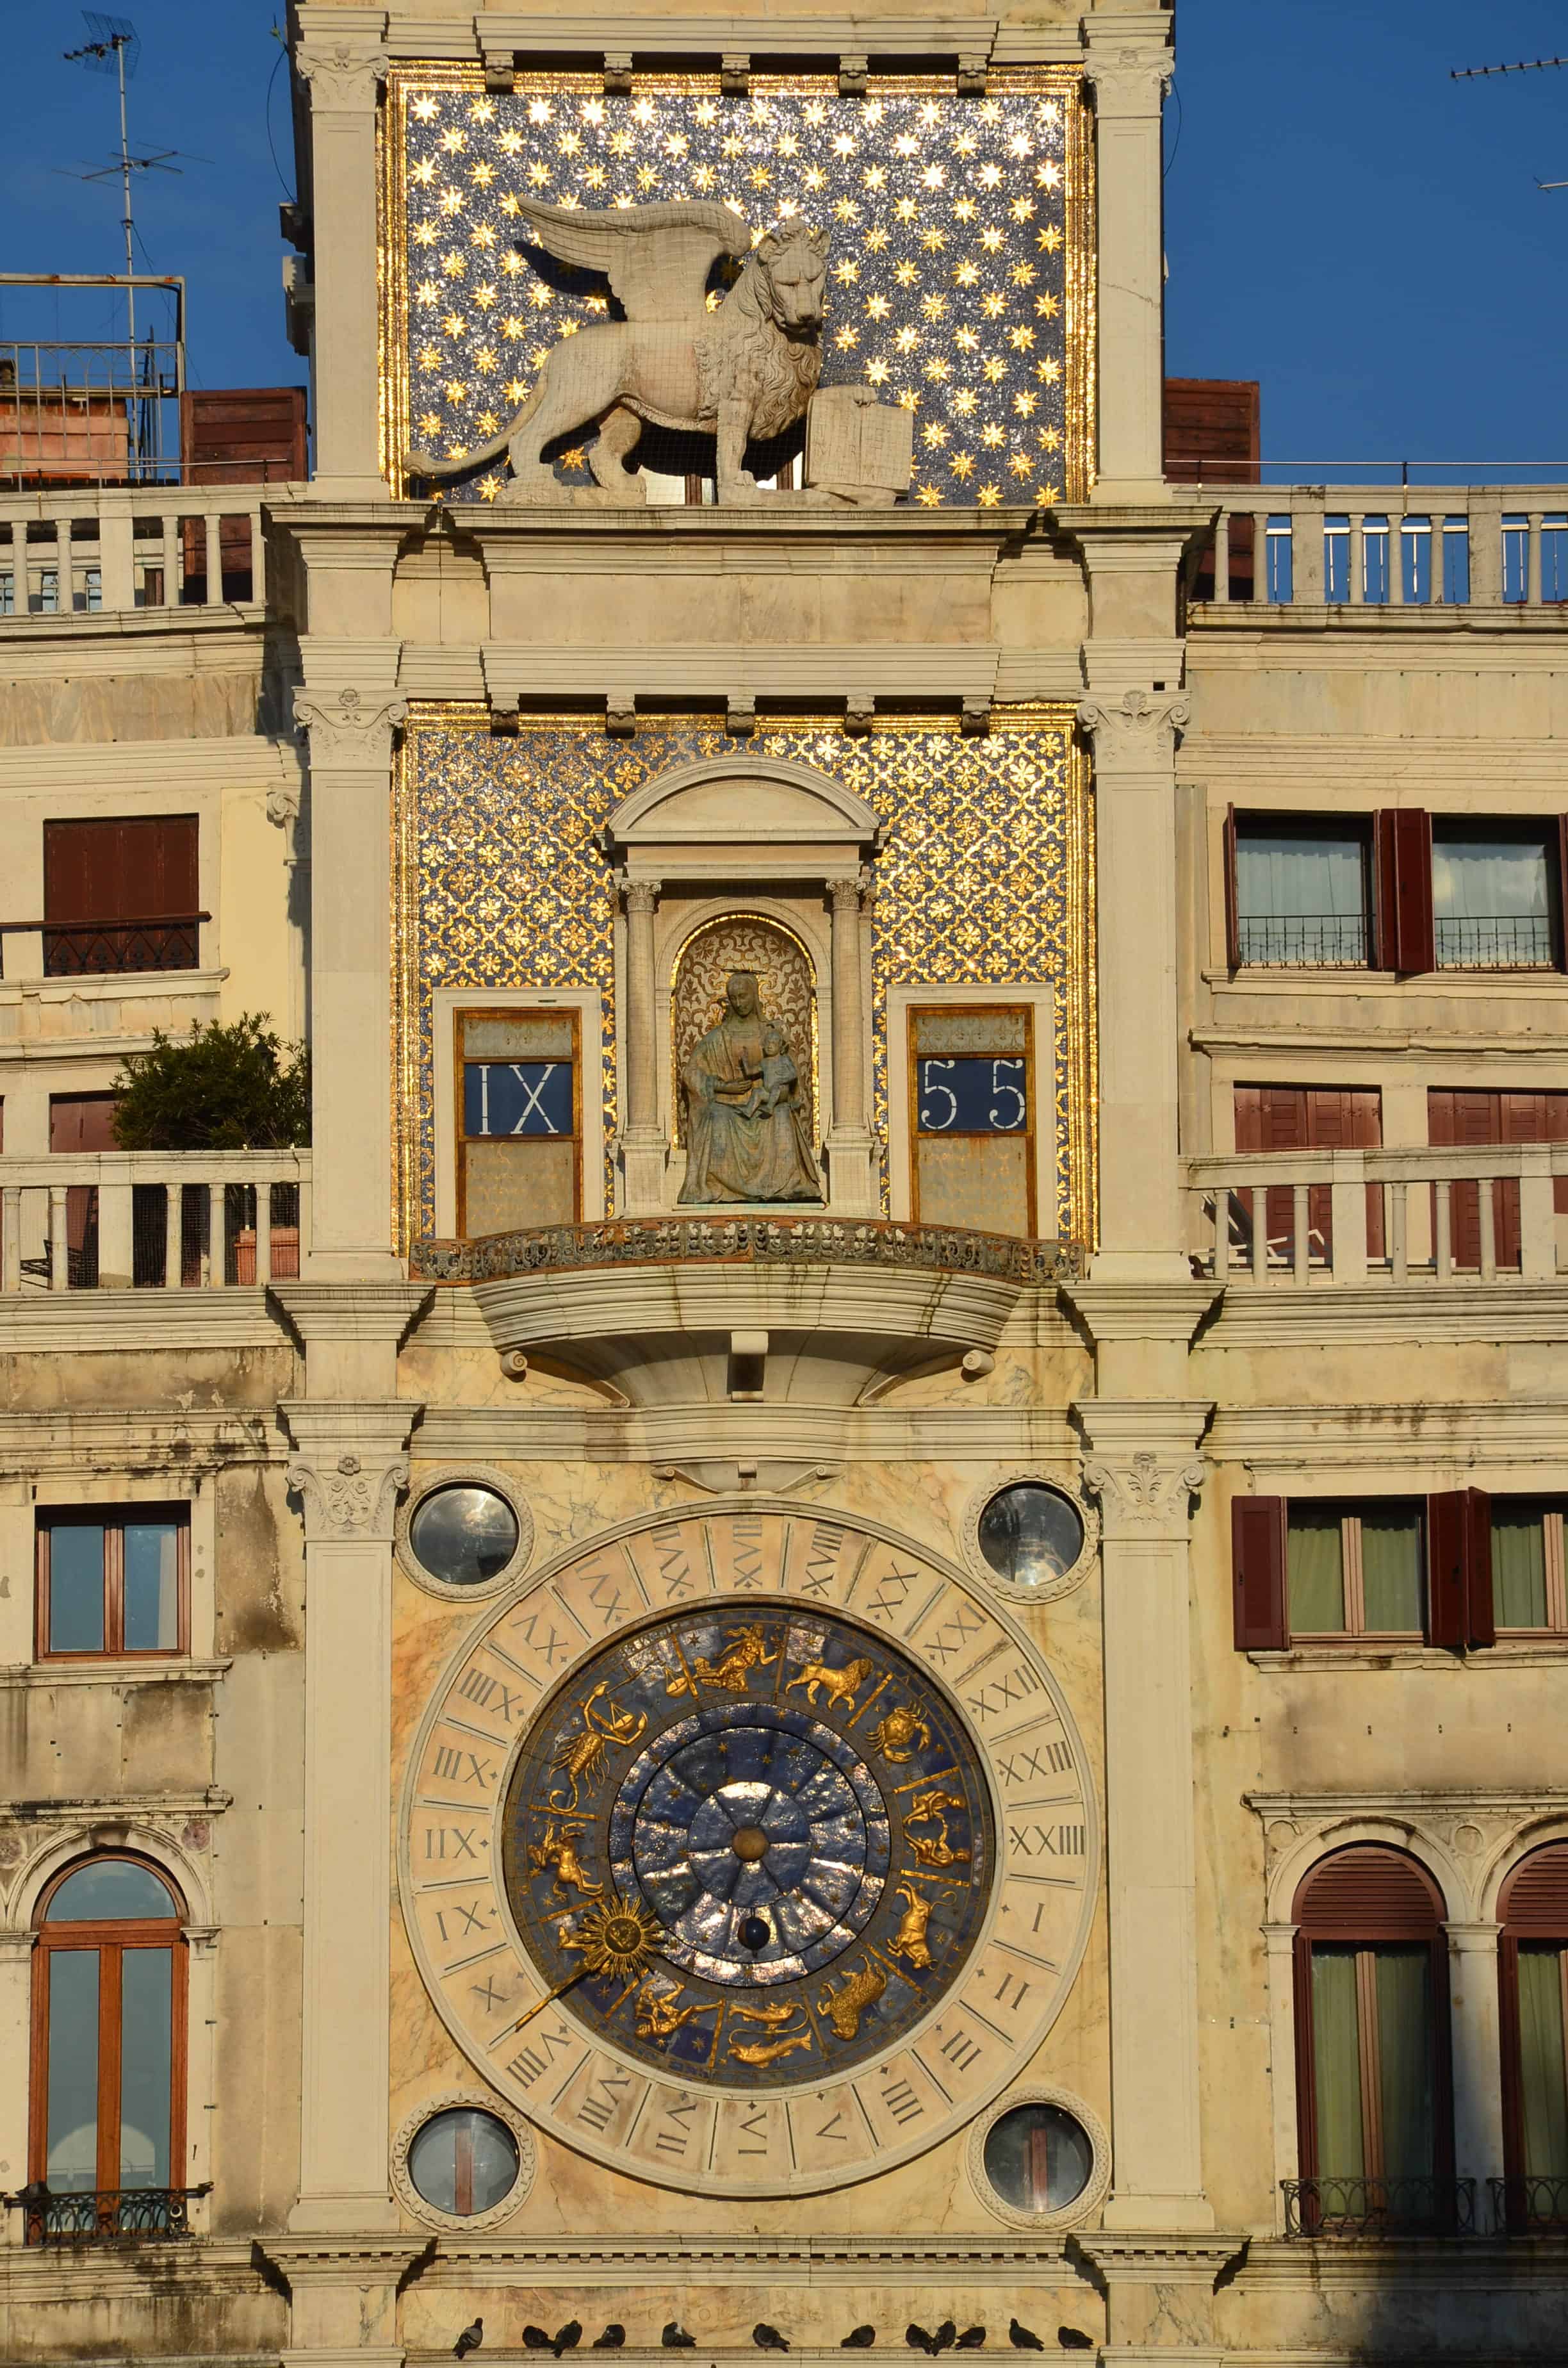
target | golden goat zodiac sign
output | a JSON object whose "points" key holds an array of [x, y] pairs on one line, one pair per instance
{"points": [[926, 1809], [773, 2015], [559, 1849], [840, 1685], [896, 1735], [910, 1941], [658, 2015], [861, 1990], [745, 1649], [584, 1758]]}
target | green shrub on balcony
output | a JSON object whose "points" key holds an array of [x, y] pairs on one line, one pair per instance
{"points": [[238, 1087]]}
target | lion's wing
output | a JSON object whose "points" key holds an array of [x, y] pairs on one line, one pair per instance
{"points": [[656, 259]]}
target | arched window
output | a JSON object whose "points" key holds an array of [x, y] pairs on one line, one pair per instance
{"points": [[108, 2050], [1533, 1997], [1373, 2077]]}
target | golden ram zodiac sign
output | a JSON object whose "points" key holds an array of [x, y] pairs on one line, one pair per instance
{"points": [[927, 1809], [583, 1760], [840, 1685], [910, 1941], [745, 1649], [895, 1736], [559, 1849], [861, 1990], [773, 2015]]}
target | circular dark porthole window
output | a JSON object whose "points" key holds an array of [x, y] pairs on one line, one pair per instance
{"points": [[463, 1535], [1030, 1533], [464, 2161], [1038, 2157]]}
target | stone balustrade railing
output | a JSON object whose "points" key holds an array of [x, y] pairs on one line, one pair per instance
{"points": [[114, 548], [1400, 546], [153, 1220], [1370, 1218]]}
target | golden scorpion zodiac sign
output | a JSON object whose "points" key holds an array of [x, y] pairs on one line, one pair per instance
{"points": [[559, 1849], [896, 1735], [773, 2016], [584, 1758], [926, 1809], [745, 1649], [910, 1941], [840, 1685], [861, 1990]]}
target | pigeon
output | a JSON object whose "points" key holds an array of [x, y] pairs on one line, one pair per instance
{"points": [[767, 2338], [860, 2338], [611, 2339], [919, 2341], [675, 2338], [469, 2341], [1072, 2338], [536, 2339], [567, 2338], [972, 2340], [943, 2339], [1024, 2339]]}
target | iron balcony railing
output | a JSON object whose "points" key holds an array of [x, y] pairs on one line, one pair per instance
{"points": [[1374, 2208], [106, 2215], [1529, 2203], [1472, 941], [1305, 941]]}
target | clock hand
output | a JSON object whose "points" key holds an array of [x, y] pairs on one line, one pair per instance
{"points": [[619, 1941]]}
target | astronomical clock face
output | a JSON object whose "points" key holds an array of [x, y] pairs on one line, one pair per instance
{"points": [[750, 1852]]}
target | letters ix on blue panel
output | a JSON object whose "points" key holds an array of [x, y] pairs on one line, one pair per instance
{"points": [[504, 1098], [973, 1093]]}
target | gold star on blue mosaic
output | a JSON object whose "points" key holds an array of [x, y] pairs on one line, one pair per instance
{"points": [[957, 278]]}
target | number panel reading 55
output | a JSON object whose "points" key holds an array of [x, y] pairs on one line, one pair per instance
{"points": [[972, 1117], [972, 1094]]}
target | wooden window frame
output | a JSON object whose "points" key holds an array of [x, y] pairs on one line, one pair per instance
{"points": [[461, 1014], [1517, 1925], [1352, 823], [914, 1014], [110, 1939], [1553, 834], [1554, 1553], [113, 1518], [1456, 1568], [1355, 1630]]}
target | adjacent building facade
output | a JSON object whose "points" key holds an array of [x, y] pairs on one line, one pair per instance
{"points": [[847, 1617]]}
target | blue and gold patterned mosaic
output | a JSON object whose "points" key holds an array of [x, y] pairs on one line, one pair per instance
{"points": [[959, 281], [984, 878]]}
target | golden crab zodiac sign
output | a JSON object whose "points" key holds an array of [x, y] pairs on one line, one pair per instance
{"points": [[929, 1809], [583, 1760], [896, 1735], [839, 1686], [745, 1649]]}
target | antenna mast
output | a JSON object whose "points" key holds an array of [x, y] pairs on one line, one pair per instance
{"points": [[112, 46]]}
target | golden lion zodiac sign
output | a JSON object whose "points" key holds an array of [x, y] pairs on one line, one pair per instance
{"points": [[861, 1990], [910, 1941], [895, 1736], [745, 1649], [927, 1809], [584, 1758], [658, 2014], [840, 1685], [773, 2016], [558, 1848]]}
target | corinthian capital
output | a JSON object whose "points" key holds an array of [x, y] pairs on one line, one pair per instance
{"points": [[1145, 1491], [348, 726], [344, 76], [1136, 733], [348, 1498], [1130, 71]]}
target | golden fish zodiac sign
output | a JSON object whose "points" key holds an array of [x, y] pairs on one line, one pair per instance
{"points": [[583, 1761], [845, 2007], [773, 2015], [558, 1848], [658, 2014], [927, 1809], [896, 1735], [745, 1649], [840, 1685], [910, 1941]]}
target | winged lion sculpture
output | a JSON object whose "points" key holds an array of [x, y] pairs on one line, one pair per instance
{"points": [[743, 372]]}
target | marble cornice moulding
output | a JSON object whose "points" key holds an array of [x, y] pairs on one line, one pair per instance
{"points": [[685, 1432], [57, 1323], [508, 34], [242, 762], [1377, 1315], [135, 1442], [1461, 1438]]}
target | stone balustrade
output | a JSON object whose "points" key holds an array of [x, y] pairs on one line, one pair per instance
{"points": [[1384, 547], [112, 548], [153, 1220]]}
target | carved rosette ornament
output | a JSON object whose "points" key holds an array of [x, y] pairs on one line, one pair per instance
{"points": [[348, 727], [343, 78], [348, 1500], [1137, 732]]}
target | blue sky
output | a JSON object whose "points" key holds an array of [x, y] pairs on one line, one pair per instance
{"points": [[1343, 221]]}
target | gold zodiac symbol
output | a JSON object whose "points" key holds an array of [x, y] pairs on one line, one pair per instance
{"points": [[658, 2015], [909, 1941], [926, 1809], [841, 1685], [773, 2016], [896, 1735], [583, 1760], [745, 1649], [559, 1849], [861, 1990]]}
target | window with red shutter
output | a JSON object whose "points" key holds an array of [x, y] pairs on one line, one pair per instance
{"points": [[1257, 1560], [1458, 1559], [1402, 841], [121, 894], [1472, 1119]]}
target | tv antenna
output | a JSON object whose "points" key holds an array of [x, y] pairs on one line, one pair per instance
{"points": [[113, 46], [1520, 65]]}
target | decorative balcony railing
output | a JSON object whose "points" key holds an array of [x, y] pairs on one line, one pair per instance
{"points": [[115, 548], [1404, 1216], [1304, 940], [1374, 2208], [1374, 547], [1530, 2204], [1471, 941], [153, 1220], [661, 1241], [111, 2216]]}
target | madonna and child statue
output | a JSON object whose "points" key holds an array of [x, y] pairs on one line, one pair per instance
{"points": [[745, 1137]]}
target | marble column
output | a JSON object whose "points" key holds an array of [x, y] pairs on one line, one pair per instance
{"points": [[643, 1148], [1142, 1466], [1477, 2056], [15, 2075], [1128, 63], [342, 63], [851, 1177]]}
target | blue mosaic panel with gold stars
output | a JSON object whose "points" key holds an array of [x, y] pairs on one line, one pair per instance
{"points": [[959, 280]]}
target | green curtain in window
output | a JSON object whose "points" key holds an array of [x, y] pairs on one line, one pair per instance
{"points": [[1278, 874], [1404, 2052], [1391, 1570], [1518, 1566], [1542, 2067], [1315, 1572], [1337, 2068]]}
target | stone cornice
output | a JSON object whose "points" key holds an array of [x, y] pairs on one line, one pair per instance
{"points": [[817, 1436], [1432, 1436], [114, 1439], [1379, 1314], [887, 39], [353, 1311]]}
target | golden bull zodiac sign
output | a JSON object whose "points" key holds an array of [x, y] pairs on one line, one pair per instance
{"points": [[773, 2015], [745, 1649], [840, 1685], [559, 1849], [910, 1941], [896, 1735], [861, 1990], [929, 1809], [584, 1758]]}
